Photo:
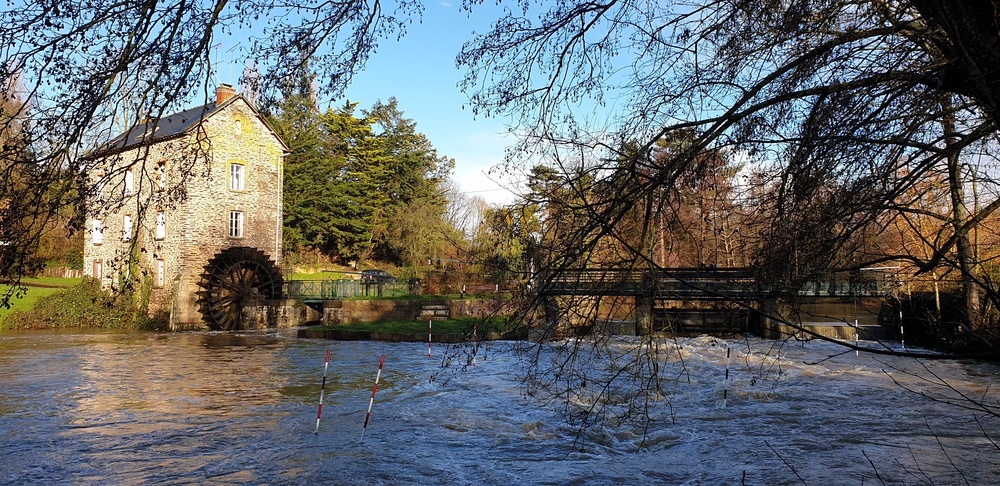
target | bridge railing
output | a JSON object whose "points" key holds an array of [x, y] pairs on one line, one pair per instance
{"points": [[695, 283], [701, 281], [843, 288], [330, 289]]}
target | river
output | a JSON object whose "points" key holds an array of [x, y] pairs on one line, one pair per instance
{"points": [[217, 408]]}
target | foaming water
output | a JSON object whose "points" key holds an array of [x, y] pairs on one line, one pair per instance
{"points": [[221, 408]]}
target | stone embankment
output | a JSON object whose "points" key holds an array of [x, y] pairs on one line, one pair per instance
{"points": [[351, 311], [293, 313]]}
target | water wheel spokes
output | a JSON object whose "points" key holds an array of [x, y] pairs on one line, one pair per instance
{"points": [[232, 277]]}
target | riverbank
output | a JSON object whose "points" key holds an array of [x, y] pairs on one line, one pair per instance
{"points": [[447, 331], [76, 303], [38, 290], [398, 337]]}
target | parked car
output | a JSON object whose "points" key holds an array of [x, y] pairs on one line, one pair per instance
{"points": [[381, 276]]}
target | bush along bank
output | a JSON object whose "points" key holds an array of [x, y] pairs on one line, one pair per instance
{"points": [[88, 305]]}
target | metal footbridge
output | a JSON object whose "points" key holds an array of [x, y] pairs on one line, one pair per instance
{"points": [[703, 283]]}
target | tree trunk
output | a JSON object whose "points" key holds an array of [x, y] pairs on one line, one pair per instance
{"points": [[959, 217]]}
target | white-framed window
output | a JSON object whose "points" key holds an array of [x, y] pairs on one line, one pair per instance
{"points": [[98, 231], [98, 269], [160, 273], [127, 227], [129, 182], [99, 186], [161, 175], [237, 177], [161, 225], [236, 224]]}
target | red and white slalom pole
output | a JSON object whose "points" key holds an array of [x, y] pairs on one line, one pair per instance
{"points": [[725, 386], [474, 349], [372, 401], [429, 328], [322, 391]]}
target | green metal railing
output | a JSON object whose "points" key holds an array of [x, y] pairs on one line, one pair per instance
{"points": [[330, 289]]}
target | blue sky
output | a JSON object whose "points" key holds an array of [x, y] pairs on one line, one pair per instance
{"points": [[419, 71]]}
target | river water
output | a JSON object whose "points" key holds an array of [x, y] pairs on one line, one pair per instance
{"points": [[218, 408]]}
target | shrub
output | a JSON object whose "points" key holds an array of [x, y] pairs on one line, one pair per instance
{"points": [[88, 305]]}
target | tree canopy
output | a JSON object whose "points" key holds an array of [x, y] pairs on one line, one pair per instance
{"points": [[358, 187]]}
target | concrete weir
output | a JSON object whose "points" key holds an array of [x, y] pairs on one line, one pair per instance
{"points": [[835, 330], [278, 314]]}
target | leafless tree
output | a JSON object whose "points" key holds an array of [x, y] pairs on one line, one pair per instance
{"points": [[838, 110], [827, 102]]}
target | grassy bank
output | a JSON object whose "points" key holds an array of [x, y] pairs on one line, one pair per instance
{"points": [[65, 303], [462, 325], [449, 326], [39, 290], [449, 331]]}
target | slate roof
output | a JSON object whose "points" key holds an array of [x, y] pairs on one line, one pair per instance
{"points": [[162, 129], [168, 127]]}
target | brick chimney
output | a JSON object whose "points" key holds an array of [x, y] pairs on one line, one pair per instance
{"points": [[223, 93]]}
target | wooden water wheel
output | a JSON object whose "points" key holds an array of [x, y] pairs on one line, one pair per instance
{"points": [[230, 278]]}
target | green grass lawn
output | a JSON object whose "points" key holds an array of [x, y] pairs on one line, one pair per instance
{"points": [[51, 282], [38, 290]]}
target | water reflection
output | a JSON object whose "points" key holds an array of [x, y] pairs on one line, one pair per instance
{"points": [[196, 374]]}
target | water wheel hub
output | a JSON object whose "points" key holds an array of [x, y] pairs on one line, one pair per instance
{"points": [[230, 279]]}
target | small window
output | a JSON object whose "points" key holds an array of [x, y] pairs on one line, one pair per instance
{"points": [[236, 224], [237, 177], [238, 127], [161, 174], [98, 269], [160, 273], [98, 231], [127, 227], [129, 182], [99, 186], [161, 225]]}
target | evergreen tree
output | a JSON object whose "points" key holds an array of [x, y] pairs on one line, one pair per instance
{"points": [[410, 225], [358, 188], [357, 196]]}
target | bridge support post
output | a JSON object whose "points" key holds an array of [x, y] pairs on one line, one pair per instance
{"points": [[551, 310], [769, 328], [644, 315]]}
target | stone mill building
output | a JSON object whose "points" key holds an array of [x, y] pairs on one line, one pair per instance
{"points": [[188, 208]]}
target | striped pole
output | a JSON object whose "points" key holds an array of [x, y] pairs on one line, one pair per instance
{"points": [[322, 391], [902, 340], [372, 401], [474, 349], [725, 388], [429, 328], [857, 339]]}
